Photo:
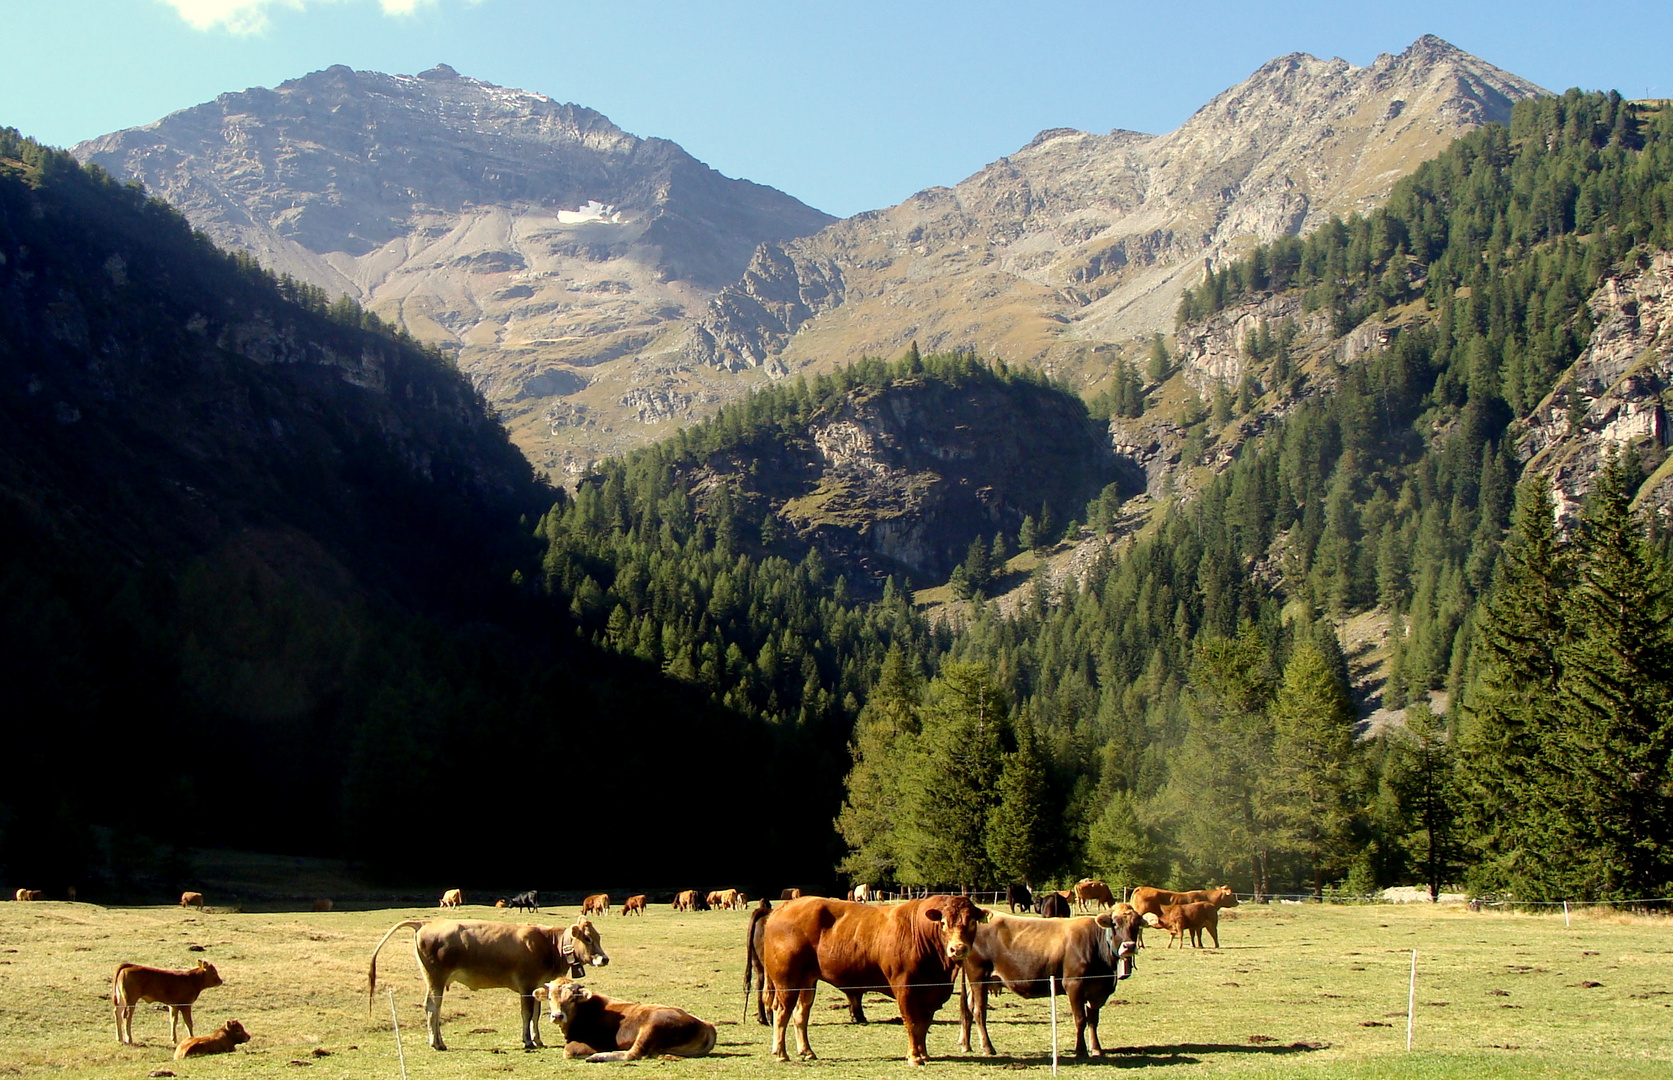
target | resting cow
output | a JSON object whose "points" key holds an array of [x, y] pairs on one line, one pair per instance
{"points": [[134, 983], [1181, 919], [1149, 901], [912, 949], [635, 905], [452, 898], [484, 955], [602, 1029], [224, 1041], [1091, 891], [192, 899], [596, 904], [1053, 905], [1085, 956]]}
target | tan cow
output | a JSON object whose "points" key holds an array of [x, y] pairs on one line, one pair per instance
{"points": [[1151, 901], [452, 898], [725, 899], [322, 905], [602, 1029], [192, 899], [715, 900], [224, 1041], [500, 903], [31, 894], [635, 905], [790, 894], [1090, 891], [485, 955], [1182, 919], [134, 984], [686, 900], [596, 904]]}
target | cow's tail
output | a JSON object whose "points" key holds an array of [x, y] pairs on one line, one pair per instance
{"points": [[372, 972], [752, 956]]}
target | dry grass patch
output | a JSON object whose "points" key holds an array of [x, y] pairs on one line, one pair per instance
{"points": [[1297, 990]]}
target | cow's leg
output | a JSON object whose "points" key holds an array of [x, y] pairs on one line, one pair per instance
{"points": [[856, 1006], [781, 1022], [433, 990], [177, 1013], [531, 1021], [125, 1024], [1093, 1005], [916, 1021], [804, 1008], [1214, 932], [1075, 991]]}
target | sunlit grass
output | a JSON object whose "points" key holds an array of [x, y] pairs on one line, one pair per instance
{"points": [[1297, 990]]}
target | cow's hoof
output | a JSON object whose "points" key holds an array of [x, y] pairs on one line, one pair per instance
{"points": [[781, 1057], [808, 1055]]}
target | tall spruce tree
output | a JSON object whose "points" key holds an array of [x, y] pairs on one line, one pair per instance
{"points": [[950, 781], [1313, 777], [1020, 839]]}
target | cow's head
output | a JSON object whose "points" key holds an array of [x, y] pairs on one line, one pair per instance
{"points": [[581, 948], [211, 977], [955, 920], [562, 998], [1222, 897], [1123, 928], [235, 1032]]}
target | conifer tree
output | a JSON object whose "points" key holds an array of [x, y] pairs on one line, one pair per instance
{"points": [[1020, 833], [1312, 782], [950, 781]]}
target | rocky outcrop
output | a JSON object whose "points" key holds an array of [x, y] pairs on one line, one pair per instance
{"points": [[1080, 238], [548, 249], [1614, 397]]}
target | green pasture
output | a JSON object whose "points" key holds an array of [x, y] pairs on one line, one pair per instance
{"points": [[1297, 990]]}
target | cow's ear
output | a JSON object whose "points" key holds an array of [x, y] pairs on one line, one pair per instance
{"points": [[1105, 919], [541, 994], [932, 914], [982, 914]]}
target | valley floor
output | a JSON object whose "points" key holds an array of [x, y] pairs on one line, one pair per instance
{"points": [[1298, 990]]}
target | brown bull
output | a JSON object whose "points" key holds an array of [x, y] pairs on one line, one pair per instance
{"points": [[911, 950], [602, 1029], [484, 955]]}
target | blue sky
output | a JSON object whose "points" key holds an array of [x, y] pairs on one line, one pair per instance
{"points": [[848, 105]]}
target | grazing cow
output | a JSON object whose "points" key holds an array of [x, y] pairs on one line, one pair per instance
{"points": [[485, 955], [1085, 957], [863, 894], [790, 894], [635, 905], [192, 899], [1053, 905], [741, 902], [452, 898], [1091, 891], [527, 901], [596, 904], [322, 905], [602, 1029], [1149, 901], [175, 989], [715, 899], [687, 900], [912, 949], [31, 894], [224, 1041], [1181, 919], [1018, 896], [728, 899]]}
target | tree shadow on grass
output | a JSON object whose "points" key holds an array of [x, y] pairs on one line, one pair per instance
{"points": [[1128, 1057]]}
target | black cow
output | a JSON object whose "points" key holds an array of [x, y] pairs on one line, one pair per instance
{"points": [[1019, 896], [1053, 906], [526, 901]]}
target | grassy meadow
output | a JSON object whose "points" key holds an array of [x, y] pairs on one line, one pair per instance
{"points": [[1297, 990]]}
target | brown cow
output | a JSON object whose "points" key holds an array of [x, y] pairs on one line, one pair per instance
{"points": [[1193, 918], [716, 900], [322, 905], [224, 1041], [686, 900], [500, 903], [1085, 957], [739, 902], [602, 1029], [175, 989], [484, 955], [596, 904], [192, 899], [70, 893], [912, 949], [452, 898], [1091, 891], [1149, 901], [31, 894], [790, 894], [635, 905], [726, 899]]}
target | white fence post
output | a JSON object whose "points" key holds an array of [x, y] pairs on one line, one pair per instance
{"points": [[1053, 979], [1411, 1001], [396, 1024]]}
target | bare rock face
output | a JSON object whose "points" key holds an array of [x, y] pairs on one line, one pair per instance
{"points": [[549, 249], [1079, 239], [1614, 396]]}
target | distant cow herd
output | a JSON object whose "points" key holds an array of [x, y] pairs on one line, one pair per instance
{"points": [[917, 952]]}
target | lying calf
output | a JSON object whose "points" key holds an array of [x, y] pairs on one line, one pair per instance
{"points": [[226, 1038], [599, 1029]]}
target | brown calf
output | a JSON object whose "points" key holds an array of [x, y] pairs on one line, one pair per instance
{"points": [[192, 899], [224, 1041], [1181, 919], [175, 989], [634, 905], [601, 1029], [596, 904]]}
